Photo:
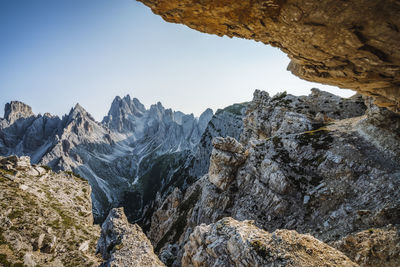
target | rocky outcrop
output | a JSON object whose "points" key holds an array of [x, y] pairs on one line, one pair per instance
{"points": [[329, 174], [372, 247], [124, 244], [353, 44], [225, 122], [283, 114], [46, 217], [17, 110], [232, 243], [227, 155]]}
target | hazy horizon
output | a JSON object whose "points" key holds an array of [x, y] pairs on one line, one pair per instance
{"points": [[59, 53]]}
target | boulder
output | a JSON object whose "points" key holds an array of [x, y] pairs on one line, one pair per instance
{"points": [[124, 244]]}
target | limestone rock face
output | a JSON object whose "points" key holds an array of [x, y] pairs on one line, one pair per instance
{"points": [[351, 44], [329, 175], [283, 114], [225, 122], [123, 244], [232, 243], [46, 217], [171, 130], [227, 155]]}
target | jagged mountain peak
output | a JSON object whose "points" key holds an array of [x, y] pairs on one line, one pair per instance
{"points": [[127, 98], [15, 110], [158, 107], [79, 108], [122, 112], [79, 112], [130, 104], [204, 118], [206, 115]]}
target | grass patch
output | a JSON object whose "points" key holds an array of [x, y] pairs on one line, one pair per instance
{"points": [[319, 138], [66, 220], [47, 168], [191, 201], [3, 241], [5, 263], [16, 214]]}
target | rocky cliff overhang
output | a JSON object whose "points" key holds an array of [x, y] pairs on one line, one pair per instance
{"points": [[347, 43]]}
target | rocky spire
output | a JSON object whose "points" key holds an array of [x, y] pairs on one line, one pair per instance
{"points": [[79, 112], [16, 110], [205, 118], [122, 111]]}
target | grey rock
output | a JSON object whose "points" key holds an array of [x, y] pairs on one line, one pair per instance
{"points": [[123, 244], [17, 110], [114, 156], [227, 155], [338, 167], [232, 243]]}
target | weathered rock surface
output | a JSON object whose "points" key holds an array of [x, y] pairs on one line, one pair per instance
{"points": [[225, 122], [123, 244], [350, 44], [46, 217], [329, 175], [372, 247], [226, 156], [232, 243]]}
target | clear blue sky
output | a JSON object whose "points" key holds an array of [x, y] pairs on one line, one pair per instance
{"points": [[56, 53]]}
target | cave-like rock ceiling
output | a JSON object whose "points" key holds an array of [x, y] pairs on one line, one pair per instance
{"points": [[352, 44]]}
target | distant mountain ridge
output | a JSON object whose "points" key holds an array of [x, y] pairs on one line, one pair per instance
{"points": [[113, 155]]}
